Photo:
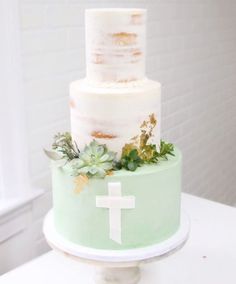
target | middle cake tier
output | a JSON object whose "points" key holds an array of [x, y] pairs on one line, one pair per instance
{"points": [[113, 114]]}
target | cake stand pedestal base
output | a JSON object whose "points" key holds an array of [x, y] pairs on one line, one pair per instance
{"points": [[115, 275], [114, 266]]}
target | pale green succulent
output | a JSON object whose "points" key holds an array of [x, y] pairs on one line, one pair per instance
{"points": [[94, 161]]}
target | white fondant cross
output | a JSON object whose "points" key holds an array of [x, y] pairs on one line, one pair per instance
{"points": [[115, 202]]}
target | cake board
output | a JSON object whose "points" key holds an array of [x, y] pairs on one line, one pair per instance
{"points": [[116, 267]]}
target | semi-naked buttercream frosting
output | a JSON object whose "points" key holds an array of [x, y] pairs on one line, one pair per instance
{"points": [[117, 185], [113, 114], [115, 44], [116, 97]]}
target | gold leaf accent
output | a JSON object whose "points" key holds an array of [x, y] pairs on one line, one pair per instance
{"points": [[137, 53], [99, 134], [128, 148], [136, 19], [140, 142], [80, 182], [72, 103], [153, 119], [124, 38], [146, 133], [98, 59]]}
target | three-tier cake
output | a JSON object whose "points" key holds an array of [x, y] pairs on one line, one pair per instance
{"points": [[116, 184]]}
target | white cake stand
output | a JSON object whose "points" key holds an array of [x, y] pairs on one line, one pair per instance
{"points": [[116, 267]]}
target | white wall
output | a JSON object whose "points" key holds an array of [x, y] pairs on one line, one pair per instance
{"points": [[191, 51]]}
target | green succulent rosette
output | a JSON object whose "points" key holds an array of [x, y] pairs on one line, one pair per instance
{"points": [[94, 161]]}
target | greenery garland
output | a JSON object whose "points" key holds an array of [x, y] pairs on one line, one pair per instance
{"points": [[96, 160]]}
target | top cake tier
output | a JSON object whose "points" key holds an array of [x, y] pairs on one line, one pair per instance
{"points": [[115, 45]]}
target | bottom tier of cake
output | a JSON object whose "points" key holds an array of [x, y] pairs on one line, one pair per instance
{"points": [[123, 211]]}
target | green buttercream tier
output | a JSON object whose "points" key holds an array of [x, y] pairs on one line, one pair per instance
{"points": [[155, 218]]}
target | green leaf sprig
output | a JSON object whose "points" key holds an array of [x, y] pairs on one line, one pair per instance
{"points": [[65, 146], [165, 149], [131, 161], [96, 160], [132, 158]]}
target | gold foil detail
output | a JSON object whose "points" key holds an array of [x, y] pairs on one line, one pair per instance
{"points": [[98, 134], [146, 130], [136, 19], [98, 58], [72, 103], [80, 182], [137, 53], [140, 141], [124, 38]]}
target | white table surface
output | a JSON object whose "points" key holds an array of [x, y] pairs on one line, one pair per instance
{"points": [[209, 257]]}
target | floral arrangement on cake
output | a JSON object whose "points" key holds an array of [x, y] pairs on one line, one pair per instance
{"points": [[97, 161]]}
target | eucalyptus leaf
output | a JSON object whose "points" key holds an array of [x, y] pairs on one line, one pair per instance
{"points": [[63, 143], [53, 155]]}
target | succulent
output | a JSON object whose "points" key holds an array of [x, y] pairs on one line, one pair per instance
{"points": [[94, 161], [131, 161]]}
